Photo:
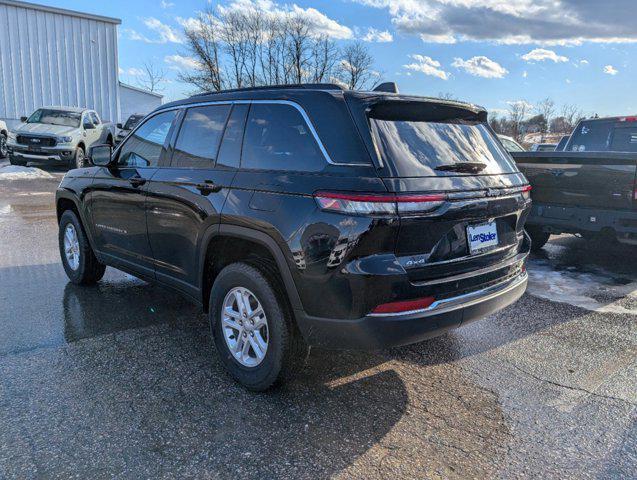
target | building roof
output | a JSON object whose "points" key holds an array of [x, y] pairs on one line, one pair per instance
{"points": [[60, 11], [141, 90]]}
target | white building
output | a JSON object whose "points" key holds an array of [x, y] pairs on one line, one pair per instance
{"points": [[53, 56], [136, 100]]}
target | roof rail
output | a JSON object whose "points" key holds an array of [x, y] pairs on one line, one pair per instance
{"points": [[307, 86]]}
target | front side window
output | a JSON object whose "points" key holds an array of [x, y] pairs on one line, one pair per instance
{"points": [[55, 117], [422, 148], [278, 138], [144, 147], [94, 119], [199, 136]]}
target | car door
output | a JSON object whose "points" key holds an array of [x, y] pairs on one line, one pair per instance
{"points": [[89, 129], [186, 197], [117, 198]]}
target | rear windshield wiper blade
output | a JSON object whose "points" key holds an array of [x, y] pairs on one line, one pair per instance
{"points": [[463, 167]]}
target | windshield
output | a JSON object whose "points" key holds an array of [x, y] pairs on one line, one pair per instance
{"points": [[132, 122], [55, 117], [419, 148]]}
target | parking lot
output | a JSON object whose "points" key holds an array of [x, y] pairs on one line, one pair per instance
{"points": [[121, 379]]}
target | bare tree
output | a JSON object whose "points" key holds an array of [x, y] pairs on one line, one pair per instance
{"points": [[356, 67], [571, 114], [242, 48], [447, 96], [518, 111], [546, 108], [152, 78], [204, 44]]}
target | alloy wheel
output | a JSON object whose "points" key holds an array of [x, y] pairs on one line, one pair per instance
{"points": [[245, 327], [71, 247]]}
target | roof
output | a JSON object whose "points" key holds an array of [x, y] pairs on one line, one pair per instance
{"points": [[140, 90], [61, 11]]}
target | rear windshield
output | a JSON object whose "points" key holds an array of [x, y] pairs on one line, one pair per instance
{"points": [[418, 148], [604, 136]]}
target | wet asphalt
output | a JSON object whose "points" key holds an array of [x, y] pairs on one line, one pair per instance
{"points": [[121, 380]]}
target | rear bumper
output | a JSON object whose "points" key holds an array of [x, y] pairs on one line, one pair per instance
{"points": [[374, 332], [566, 219]]}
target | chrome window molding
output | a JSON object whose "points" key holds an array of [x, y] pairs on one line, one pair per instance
{"points": [[295, 105]]}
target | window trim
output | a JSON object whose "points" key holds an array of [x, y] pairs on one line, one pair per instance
{"points": [[291, 103]]}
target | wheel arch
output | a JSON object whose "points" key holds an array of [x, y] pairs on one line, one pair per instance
{"points": [[66, 200], [263, 242]]}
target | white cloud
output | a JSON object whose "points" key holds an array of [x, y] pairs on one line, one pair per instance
{"points": [[542, 55], [481, 67], [321, 24], [179, 62], [610, 70], [133, 72], [374, 35], [441, 38], [164, 4], [164, 33], [521, 103], [542, 22], [428, 66], [583, 62], [525, 74]]}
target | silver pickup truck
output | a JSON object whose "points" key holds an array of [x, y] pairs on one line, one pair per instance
{"points": [[60, 135]]}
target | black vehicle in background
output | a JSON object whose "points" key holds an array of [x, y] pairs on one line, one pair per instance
{"points": [[123, 130], [588, 189], [306, 215]]}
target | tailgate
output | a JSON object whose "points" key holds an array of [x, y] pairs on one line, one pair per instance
{"points": [[593, 179]]}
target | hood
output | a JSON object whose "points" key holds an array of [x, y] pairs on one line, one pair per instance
{"points": [[44, 129]]}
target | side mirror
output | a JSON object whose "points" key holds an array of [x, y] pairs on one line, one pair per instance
{"points": [[119, 125], [100, 155], [89, 126], [23, 119]]}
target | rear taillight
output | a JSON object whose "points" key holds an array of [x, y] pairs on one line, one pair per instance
{"points": [[367, 203], [404, 306], [526, 192], [628, 119]]}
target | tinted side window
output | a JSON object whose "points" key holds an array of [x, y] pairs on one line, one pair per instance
{"points": [[143, 148], [277, 138], [230, 151], [625, 139], [199, 136]]}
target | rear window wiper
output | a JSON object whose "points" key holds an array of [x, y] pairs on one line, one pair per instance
{"points": [[463, 167]]}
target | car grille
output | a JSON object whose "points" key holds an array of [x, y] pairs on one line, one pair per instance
{"points": [[36, 141]]}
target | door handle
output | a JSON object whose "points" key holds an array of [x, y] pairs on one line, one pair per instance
{"points": [[137, 181], [207, 187]]}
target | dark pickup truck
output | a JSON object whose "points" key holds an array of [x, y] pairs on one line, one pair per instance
{"points": [[590, 188]]}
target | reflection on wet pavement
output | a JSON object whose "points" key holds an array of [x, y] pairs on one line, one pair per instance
{"points": [[120, 379]]}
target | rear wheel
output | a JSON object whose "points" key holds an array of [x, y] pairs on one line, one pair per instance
{"points": [[253, 329], [538, 237], [79, 262]]}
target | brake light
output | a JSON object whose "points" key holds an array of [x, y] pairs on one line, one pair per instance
{"points": [[628, 119], [369, 203], [404, 306], [526, 191]]}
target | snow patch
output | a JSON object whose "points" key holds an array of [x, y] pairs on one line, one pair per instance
{"points": [[17, 172], [597, 291]]}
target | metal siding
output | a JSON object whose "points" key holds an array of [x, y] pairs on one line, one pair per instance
{"points": [[50, 58]]}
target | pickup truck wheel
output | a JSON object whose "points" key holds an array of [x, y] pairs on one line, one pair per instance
{"points": [[253, 329], [79, 160], [538, 238], [3, 146], [79, 262]]}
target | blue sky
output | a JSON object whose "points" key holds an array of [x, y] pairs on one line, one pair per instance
{"points": [[490, 52]]}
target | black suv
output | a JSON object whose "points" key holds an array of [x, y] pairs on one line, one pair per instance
{"points": [[306, 215]]}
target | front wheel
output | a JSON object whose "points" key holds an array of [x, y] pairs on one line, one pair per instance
{"points": [[253, 328], [79, 159], [79, 262], [3, 146]]}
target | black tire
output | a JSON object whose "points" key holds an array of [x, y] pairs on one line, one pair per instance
{"points": [[79, 159], [89, 270], [538, 237], [14, 161], [3, 146], [286, 351]]}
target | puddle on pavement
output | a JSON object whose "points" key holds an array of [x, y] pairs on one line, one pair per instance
{"points": [[570, 270]]}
